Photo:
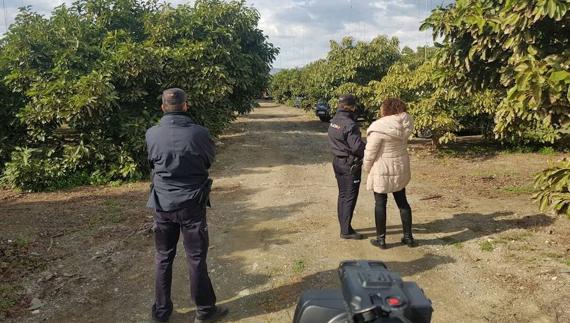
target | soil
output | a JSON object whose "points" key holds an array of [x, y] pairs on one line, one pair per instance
{"points": [[486, 254]]}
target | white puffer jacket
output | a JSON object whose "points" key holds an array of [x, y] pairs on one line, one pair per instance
{"points": [[386, 156]]}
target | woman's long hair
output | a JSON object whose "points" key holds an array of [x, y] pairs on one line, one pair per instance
{"points": [[392, 106]]}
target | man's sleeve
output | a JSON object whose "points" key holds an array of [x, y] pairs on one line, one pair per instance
{"points": [[354, 140], [208, 148], [149, 159]]}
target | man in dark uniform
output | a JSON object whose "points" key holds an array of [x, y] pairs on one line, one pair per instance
{"points": [[180, 154], [348, 150]]}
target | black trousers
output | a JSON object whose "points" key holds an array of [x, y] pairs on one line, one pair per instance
{"points": [[348, 188], [191, 221], [380, 212]]}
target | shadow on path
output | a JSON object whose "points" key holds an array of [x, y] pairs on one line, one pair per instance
{"points": [[467, 226], [286, 296]]}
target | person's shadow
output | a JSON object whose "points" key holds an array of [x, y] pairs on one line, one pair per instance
{"points": [[466, 226], [286, 296]]}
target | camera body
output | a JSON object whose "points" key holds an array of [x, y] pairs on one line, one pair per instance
{"points": [[369, 293]]}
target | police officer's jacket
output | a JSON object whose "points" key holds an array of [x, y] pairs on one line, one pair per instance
{"points": [[344, 135], [180, 153]]}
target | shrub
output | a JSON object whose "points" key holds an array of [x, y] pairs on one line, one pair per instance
{"points": [[553, 188], [81, 87]]}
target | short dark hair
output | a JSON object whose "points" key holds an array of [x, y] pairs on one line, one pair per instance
{"points": [[173, 99], [347, 100], [392, 106]]}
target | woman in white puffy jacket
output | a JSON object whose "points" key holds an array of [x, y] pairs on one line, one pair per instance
{"points": [[388, 165]]}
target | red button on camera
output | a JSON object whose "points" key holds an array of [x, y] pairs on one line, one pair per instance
{"points": [[393, 301]]}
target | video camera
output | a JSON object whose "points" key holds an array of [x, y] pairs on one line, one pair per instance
{"points": [[370, 293]]}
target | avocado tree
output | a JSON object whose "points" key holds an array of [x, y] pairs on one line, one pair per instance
{"points": [[437, 108], [519, 49], [84, 84], [347, 62]]}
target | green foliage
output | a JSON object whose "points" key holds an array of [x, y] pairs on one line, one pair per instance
{"points": [[435, 107], [378, 70], [11, 131], [349, 64], [458, 245], [521, 50], [546, 151], [519, 189], [81, 87], [299, 266], [553, 188], [487, 246]]}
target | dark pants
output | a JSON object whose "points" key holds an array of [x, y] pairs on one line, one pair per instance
{"points": [[380, 212], [191, 221], [348, 188]]}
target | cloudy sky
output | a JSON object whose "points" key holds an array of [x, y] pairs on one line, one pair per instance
{"points": [[302, 28]]}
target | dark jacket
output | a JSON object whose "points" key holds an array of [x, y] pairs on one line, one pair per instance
{"points": [[180, 154], [344, 135]]}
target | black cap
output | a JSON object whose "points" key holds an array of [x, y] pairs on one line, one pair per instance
{"points": [[347, 99], [173, 96]]}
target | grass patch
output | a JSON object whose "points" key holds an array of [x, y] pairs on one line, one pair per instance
{"points": [[112, 211], [16, 263], [516, 236], [547, 151], [458, 150], [520, 189], [21, 243], [519, 150], [487, 246], [299, 266], [553, 255], [458, 245], [116, 183], [567, 262], [12, 300]]}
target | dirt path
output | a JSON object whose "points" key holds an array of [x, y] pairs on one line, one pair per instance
{"points": [[486, 255]]}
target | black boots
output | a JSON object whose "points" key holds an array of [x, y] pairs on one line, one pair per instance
{"points": [[406, 216], [353, 235], [409, 241], [219, 313], [379, 242], [380, 219]]}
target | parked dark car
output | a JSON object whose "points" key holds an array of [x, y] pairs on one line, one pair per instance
{"points": [[323, 111], [363, 115]]}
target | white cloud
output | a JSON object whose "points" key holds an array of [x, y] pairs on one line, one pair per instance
{"points": [[302, 29]]}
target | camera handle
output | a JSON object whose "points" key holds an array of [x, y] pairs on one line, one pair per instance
{"points": [[384, 312]]}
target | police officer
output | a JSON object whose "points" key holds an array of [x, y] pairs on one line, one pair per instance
{"points": [[348, 149], [180, 154]]}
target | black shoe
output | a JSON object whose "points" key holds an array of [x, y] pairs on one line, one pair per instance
{"points": [[380, 242], [158, 319], [409, 241], [215, 316], [354, 236], [163, 318]]}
